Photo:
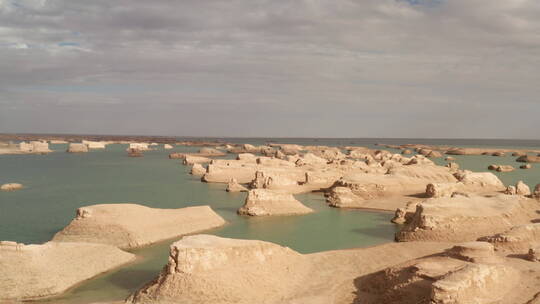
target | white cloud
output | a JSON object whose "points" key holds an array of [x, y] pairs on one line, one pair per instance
{"points": [[450, 62]]}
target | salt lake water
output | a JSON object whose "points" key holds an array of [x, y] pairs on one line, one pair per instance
{"points": [[58, 183]]}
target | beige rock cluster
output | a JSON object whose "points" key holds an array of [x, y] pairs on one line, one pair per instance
{"points": [[261, 202], [36, 271], [11, 187], [167, 147], [77, 148], [130, 225]]}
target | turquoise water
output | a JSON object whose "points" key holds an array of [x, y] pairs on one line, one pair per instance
{"points": [[59, 183]]}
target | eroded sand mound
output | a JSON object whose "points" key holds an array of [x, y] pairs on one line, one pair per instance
{"points": [[34, 271], [462, 218], [131, 225], [209, 269], [268, 202]]}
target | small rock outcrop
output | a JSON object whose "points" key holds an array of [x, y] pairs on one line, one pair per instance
{"points": [[533, 254], [522, 188], [198, 170], [38, 271], [95, 144], [77, 148], [130, 225], [139, 146], [267, 202], [36, 147], [475, 252], [536, 192], [480, 179], [501, 168], [526, 166], [517, 239], [191, 160], [11, 187], [343, 197], [436, 190], [528, 159], [234, 186], [167, 147]]}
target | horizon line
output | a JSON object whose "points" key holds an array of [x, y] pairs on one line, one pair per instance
{"points": [[271, 137]]}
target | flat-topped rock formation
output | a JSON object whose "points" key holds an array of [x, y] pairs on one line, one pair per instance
{"points": [[405, 180], [131, 225], [167, 147], [518, 239], [36, 271], [210, 269], [33, 147], [11, 187], [77, 148], [191, 160], [140, 146], [465, 218], [267, 202], [198, 170], [95, 144], [469, 182]]}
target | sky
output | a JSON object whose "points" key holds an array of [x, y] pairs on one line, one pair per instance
{"points": [[263, 68]]}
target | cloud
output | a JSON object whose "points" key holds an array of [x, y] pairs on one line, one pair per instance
{"points": [[460, 68]]}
